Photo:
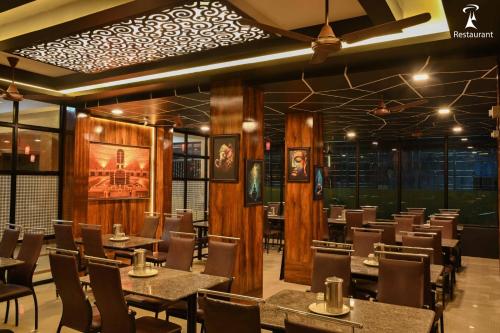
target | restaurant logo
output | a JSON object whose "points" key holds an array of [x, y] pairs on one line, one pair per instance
{"points": [[471, 10]]}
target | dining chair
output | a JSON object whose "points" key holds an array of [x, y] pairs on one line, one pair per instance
{"points": [[92, 240], [369, 213], [186, 224], [8, 246], [331, 264], [268, 232], [401, 282], [353, 218], [364, 240], [77, 311], [228, 317], [171, 222], [388, 233], [449, 227], [63, 233], [404, 223], [336, 211], [326, 227], [115, 315], [20, 278], [179, 257], [148, 230]]}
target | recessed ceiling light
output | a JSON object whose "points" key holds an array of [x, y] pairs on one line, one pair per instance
{"points": [[420, 77], [82, 115], [470, 147], [375, 143], [205, 128], [98, 129], [474, 152], [464, 139], [394, 149], [117, 112], [457, 129], [351, 134], [38, 140], [344, 155], [443, 111], [6, 141]]}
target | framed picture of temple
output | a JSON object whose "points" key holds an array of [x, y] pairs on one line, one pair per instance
{"points": [[254, 178], [225, 152], [118, 172], [298, 165], [319, 181]]}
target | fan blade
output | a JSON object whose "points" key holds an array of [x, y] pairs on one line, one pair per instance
{"points": [[319, 56], [278, 31], [386, 28], [403, 107]]}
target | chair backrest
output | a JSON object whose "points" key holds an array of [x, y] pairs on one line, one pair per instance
{"points": [[325, 225], [364, 239], [30, 251], [92, 241], [297, 327], [9, 242], [449, 229], [180, 252], [170, 223], [353, 218], [186, 224], [330, 264], [421, 242], [404, 222], [77, 311], [419, 217], [227, 317], [64, 236], [401, 282], [221, 261], [107, 288], [389, 231], [369, 213], [336, 211], [436, 242], [150, 226]]}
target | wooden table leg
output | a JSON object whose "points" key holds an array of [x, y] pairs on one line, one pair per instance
{"points": [[191, 313]]}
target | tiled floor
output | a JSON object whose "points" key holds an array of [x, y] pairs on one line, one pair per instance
{"points": [[476, 307]]}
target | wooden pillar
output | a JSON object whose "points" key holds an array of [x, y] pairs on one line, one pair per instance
{"points": [[231, 102], [163, 173], [303, 215]]}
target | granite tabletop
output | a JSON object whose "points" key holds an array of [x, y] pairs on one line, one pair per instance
{"points": [[168, 284], [9, 262], [374, 316], [360, 269], [445, 242], [132, 242]]}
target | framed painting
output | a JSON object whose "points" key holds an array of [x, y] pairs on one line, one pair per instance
{"points": [[118, 172], [254, 178], [319, 181], [225, 154], [298, 165]]}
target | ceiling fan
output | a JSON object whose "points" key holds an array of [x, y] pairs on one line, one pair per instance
{"points": [[11, 94], [382, 109], [327, 43]]}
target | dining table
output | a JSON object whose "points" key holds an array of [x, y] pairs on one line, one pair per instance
{"points": [[375, 317], [130, 243], [9, 262], [169, 285]]}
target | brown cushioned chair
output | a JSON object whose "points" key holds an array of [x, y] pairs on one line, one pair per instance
{"points": [[404, 223], [353, 219], [336, 211], [148, 230], [7, 246], [268, 232], [369, 213], [77, 312], [115, 315], [331, 264], [227, 317], [20, 278], [170, 223], [186, 224], [364, 240], [388, 233], [92, 241], [63, 232]]}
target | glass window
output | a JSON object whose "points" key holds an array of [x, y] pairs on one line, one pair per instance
{"points": [[196, 145], [39, 114], [422, 174], [5, 148], [196, 199], [6, 111], [195, 168], [341, 181], [4, 200], [273, 170], [177, 195], [472, 179], [37, 151], [179, 144], [378, 177], [179, 167]]}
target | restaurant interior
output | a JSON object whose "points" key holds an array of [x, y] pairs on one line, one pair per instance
{"points": [[249, 166]]}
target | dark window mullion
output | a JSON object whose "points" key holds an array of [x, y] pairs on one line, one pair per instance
{"points": [[13, 177]]}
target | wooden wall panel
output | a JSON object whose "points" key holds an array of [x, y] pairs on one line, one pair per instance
{"points": [[230, 104], [302, 214], [163, 173]]}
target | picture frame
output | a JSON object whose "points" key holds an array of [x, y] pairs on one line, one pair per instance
{"points": [[254, 182], [318, 183], [298, 166], [224, 159]]}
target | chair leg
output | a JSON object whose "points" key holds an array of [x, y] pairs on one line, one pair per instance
{"points": [[35, 302], [59, 327], [441, 323], [156, 315], [17, 311], [7, 312]]}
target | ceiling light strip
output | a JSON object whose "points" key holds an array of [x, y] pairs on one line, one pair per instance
{"points": [[192, 70], [30, 86]]}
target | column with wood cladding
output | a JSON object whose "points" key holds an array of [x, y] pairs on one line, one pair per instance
{"points": [[303, 215], [232, 103]]}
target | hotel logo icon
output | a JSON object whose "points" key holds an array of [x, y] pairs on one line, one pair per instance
{"points": [[471, 10]]}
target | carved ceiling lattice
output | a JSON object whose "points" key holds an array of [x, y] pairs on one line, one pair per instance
{"points": [[195, 27]]}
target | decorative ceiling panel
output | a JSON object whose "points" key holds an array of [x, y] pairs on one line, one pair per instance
{"points": [[194, 27]]}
